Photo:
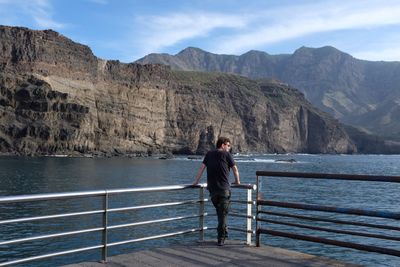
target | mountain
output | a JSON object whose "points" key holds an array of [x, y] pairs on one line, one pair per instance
{"points": [[360, 93], [56, 97]]}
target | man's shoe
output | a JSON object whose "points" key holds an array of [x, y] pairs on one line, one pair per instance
{"points": [[220, 242]]}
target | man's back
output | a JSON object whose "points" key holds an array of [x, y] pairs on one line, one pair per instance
{"points": [[218, 164]]}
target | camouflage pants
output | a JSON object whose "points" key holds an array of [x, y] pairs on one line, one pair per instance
{"points": [[221, 202]]}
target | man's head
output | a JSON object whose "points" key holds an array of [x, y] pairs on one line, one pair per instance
{"points": [[224, 143]]}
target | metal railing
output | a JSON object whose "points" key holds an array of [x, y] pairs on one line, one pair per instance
{"points": [[332, 209], [105, 211]]}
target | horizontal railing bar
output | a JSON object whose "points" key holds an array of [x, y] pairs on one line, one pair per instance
{"points": [[50, 236], [157, 205], [233, 214], [37, 197], [155, 237], [242, 230], [379, 226], [50, 255], [368, 248], [153, 189], [55, 216], [333, 176], [99, 211], [154, 221], [331, 230], [243, 202], [370, 213], [244, 186]]}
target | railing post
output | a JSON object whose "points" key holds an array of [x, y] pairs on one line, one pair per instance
{"points": [[249, 217], [201, 213], [258, 226], [105, 226]]}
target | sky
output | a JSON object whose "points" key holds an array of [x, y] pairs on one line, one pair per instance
{"points": [[127, 30]]}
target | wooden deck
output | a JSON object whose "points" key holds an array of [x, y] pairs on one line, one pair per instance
{"points": [[208, 254]]}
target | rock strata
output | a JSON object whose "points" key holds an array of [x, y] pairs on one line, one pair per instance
{"points": [[360, 93], [56, 97]]}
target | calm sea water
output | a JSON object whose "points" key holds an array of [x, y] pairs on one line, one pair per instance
{"points": [[48, 175]]}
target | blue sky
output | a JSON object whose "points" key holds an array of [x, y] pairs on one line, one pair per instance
{"points": [[127, 30]]}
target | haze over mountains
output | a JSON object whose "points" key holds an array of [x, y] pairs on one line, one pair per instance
{"points": [[359, 93], [56, 97]]}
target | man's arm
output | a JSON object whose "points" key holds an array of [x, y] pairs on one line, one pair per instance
{"points": [[236, 174], [199, 174]]}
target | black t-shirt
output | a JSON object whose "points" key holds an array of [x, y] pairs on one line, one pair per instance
{"points": [[218, 164]]}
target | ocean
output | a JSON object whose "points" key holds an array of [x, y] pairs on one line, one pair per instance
{"points": [[26, 175]]}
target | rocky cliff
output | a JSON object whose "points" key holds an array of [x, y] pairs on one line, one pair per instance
{"points": [[56, 97], [357, 92]]}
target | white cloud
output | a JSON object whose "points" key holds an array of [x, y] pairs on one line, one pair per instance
{"points": [[159, 32], [39, 13], [42, 14], [298, 21], [238, 33]]}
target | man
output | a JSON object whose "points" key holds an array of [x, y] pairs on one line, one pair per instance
{"points": [[218, 163]]}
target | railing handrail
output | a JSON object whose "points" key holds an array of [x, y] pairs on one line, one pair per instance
{"points": [[61, 195], [321, 208], [331, 176], [313, 207]]}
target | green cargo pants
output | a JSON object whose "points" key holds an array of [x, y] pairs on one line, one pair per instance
{"points": [[221, 202]]}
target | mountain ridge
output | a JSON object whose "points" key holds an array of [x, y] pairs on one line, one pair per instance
{"points": [[348, 88]]}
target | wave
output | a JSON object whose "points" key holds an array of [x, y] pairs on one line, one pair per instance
{"points": [[190, 158], [254, 160], [244, 159]]}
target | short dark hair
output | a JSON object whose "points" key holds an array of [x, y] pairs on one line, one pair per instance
{"points": [[222, 140]]}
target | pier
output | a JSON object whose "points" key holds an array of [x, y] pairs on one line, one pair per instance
{"points": [[206, 253]]}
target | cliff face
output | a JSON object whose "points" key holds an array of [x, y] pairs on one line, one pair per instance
{"points": [[357, 92], [56, 97]]}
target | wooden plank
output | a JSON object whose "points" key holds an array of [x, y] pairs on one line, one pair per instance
{"points": [[207, 253]]}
